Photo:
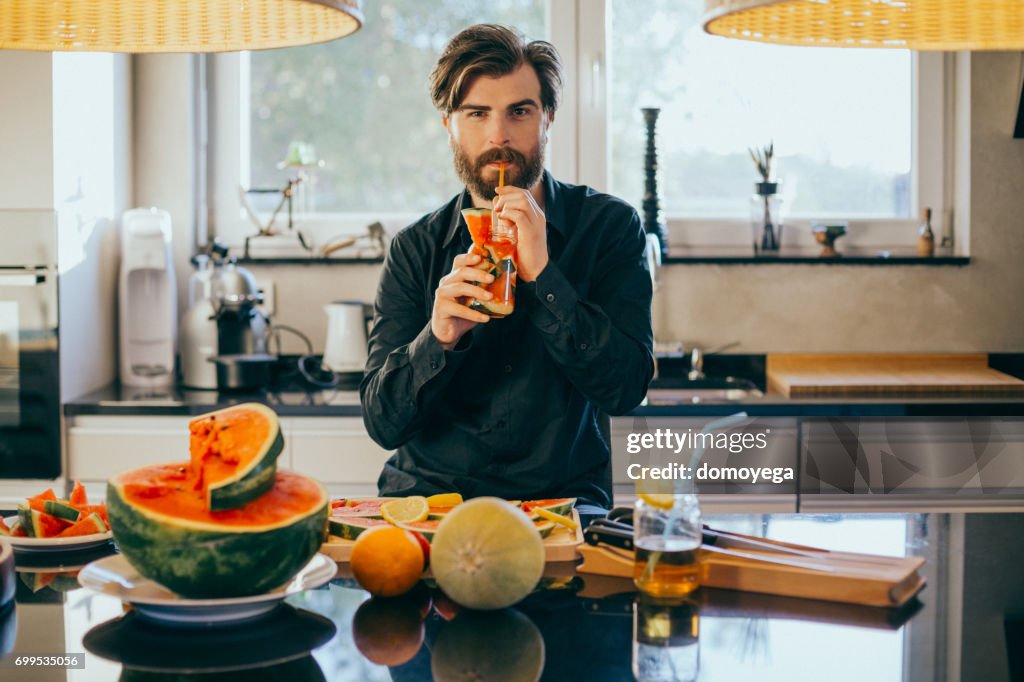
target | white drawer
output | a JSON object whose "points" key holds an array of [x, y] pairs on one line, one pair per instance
{"points": [[99, 447], [336, 451]]}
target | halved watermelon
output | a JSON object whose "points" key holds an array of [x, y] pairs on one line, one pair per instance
{"points": [[234, 454], [349, 527], [561, 505], [166, 531]]}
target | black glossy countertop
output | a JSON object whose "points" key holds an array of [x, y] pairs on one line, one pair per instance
{"points": [[966, 624], [294, 397], [117, 400]]}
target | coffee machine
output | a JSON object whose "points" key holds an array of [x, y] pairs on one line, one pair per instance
{"points": [[224, 329]]}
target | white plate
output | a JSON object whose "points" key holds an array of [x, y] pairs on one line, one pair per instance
{"points": [[56, 544], [115, 577]]}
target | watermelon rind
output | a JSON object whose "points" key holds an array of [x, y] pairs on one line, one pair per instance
{"points": [[61, 510], [545, 528], [255, 478], [349, 527], [562, 506], [206, 560]]}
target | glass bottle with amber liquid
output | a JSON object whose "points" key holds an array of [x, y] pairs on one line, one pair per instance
{"points": [[667, 535]]}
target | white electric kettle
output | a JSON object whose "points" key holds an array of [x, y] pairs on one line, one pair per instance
{"points": [[347, 329]]}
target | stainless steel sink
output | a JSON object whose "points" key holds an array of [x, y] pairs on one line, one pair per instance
{"points": [[707, 390]]}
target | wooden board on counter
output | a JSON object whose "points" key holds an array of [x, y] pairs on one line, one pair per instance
{"points": [[846, 577], [561, 545], [805, 375]]}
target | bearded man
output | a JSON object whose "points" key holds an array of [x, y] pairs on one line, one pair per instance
{"points": [[515, 407]]}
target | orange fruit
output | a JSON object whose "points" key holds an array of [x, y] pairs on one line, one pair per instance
{"points": [[386, 561], [388, 631]]}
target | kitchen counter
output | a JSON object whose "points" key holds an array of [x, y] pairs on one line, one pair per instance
{"points": [[125, 401], [966, 624]]}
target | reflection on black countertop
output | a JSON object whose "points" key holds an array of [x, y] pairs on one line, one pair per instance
{"points": [[585, 627], [293, 397]]}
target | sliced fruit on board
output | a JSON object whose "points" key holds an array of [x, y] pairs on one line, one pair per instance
{"points": [[166, 532], [368, 508], [349, 527], [429, 527], [438, 513], [234, 454], [560, 505], [547, 515], [61, 510], [486, 554], [89, 525], [444, 500], [405, 510]]}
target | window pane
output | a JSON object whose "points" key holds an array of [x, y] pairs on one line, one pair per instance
{"points": [[363, 103], [840, 118]]}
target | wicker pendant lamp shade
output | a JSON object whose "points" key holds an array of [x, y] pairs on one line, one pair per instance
{"points": [[912, 24], [173, 25]]}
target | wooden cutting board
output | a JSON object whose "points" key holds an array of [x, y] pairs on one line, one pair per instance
{"points": [[887, 374], [561, 545]]}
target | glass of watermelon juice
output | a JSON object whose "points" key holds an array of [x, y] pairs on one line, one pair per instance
{"points": [[495, 242]]}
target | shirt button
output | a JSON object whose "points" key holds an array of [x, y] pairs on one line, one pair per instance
{"points": [[433, 364], [550, 298], [508, 369], [583, 346]]}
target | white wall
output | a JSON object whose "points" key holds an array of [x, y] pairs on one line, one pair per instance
{"points": [[769, 308], [26, 126], [92, 179]]}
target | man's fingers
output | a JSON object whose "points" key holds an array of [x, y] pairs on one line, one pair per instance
{"points": [[457, 289], [450, 308], [466, 274], [464, 259]]}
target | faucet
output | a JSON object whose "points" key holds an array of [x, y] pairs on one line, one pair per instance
{"points": [[696, 372], [697, 355]]}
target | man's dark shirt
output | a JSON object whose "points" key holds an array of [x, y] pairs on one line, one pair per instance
{"points": [[518, 409]]}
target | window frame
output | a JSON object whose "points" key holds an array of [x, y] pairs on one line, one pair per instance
{"points": [[579, 28]]}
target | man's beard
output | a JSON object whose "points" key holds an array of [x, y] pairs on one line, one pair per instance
{"points": [[525, 174]]}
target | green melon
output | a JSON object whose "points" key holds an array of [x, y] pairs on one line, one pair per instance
{"points": [[487, 554], [497, 646], [234, 453], [162, 526]]}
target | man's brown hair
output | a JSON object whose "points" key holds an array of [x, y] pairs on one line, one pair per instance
{"points": [[493, 50]]}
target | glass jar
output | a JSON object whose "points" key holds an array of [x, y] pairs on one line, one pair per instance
{"points": [[495, 242], [667, 533], [766, 217], [666, 640]]}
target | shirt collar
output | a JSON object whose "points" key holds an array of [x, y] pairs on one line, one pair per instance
{"points": [[554, 208]]}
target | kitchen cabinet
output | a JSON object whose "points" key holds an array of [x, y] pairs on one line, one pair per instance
{"points": [[336, 451], [870, 464]]}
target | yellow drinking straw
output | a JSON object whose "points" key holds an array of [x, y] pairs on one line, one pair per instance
{"points": [[501, 174]]}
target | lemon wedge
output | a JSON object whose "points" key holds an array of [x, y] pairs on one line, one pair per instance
{"points": [[405, 510], [557, 518], [659, 500], [444, 500]]}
